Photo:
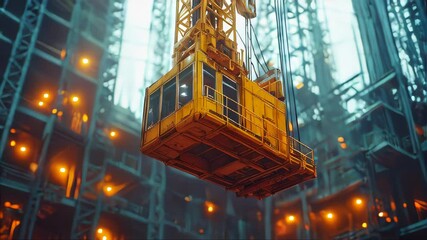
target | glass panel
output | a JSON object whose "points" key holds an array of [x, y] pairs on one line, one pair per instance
{"points": [[169, 98], [209, 80], [186, 86], [153, 109], [231, 107], [196, 14]]}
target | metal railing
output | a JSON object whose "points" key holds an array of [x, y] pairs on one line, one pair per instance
{"points": [[262, 128], [374, 138]]}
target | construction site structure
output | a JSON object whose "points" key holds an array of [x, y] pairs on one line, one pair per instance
{"points": [[368, 131]]}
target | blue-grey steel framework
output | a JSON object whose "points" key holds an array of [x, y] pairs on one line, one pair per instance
{"points": [[158, 63], [16, 70], [89, 202], [37, 190]]}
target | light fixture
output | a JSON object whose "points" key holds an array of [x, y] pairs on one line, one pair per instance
{"points": [[184, 94], [85, 61], [330, 215], [13, 143], [358, 201], [99, 230], [364, 225], [291, 218], [109, 189], [62, 170], [340, 139], [23, 149], [41, 103], [75, 99], [113, 133], [184, 85], [210, 209], [85, 117], [381, 214], [54, 111], [45, 95]]}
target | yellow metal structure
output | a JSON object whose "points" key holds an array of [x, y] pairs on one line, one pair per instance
{"points": [[205, 117]]}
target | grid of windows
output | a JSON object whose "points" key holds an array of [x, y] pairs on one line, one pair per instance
{"points": [[170, 98]]}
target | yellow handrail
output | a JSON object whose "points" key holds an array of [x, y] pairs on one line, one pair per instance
{"points": [[297, 148]]}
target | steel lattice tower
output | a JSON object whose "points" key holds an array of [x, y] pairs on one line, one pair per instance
{"points": [[89, 201]]}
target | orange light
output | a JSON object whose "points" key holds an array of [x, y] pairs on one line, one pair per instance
{"points": [[388, 219], [405, 205], [201, 231], [63, 54], [75, 99], [291, 218], [340, 139], [358, 201], [210, 209], [85, 118], [60, 113], [62, 170], [23, 149], [85, 61], [113, 134], [343, 145], [299, 85], [41, 103], [364, 225], [33, 167], [12, 130], [330, 215], [45, 95], [99, 230], [12, 143], [381, 214], [109, 189], [54, 111], [7, 204], [104, 238]]}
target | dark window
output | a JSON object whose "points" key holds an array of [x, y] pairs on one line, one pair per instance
{"points": [[196, 13], [208, 80], [231, 107], [186, 86], [169, 98], [153, 108]]}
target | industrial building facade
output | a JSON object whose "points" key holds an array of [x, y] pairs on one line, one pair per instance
{"points": [[70, 165]]}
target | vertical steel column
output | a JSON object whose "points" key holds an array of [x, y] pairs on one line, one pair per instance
{"points": [[159, 44], [32, 207], [378, 37], [17, 67], [89, 202], [156, 213], [158, 63]]}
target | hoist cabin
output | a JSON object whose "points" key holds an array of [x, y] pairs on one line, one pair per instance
{"points": [[206, 118]]}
